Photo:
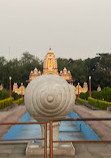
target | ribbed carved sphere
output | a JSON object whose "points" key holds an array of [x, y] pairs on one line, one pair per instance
{"points": [[49, 97]]}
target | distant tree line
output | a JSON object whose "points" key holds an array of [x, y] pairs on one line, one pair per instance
{"points": [[99, 68]]}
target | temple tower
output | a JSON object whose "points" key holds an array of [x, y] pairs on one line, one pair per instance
{"points": [[33, 74], [66, 75], [50, 64]]}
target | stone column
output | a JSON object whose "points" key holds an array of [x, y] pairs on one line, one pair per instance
{"points": [[55, 133]]}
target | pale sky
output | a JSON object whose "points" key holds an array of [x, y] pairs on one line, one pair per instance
{"points": [[72, 28]]}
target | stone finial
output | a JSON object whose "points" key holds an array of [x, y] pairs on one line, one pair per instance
{"points": [[31, 72], [39, 72], [1, 87], [35, 70], [50, 50], [99, 88], [69, 72], [85, 85]]}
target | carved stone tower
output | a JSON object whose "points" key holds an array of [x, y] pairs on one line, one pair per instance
{"points": [[50, 64]]}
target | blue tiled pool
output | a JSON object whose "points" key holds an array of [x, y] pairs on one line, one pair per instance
{"points": [[68, 130]]}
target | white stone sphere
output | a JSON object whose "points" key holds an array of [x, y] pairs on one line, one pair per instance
{"points": [[49, 97]]}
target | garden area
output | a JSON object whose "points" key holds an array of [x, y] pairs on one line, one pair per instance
{"points": [[6, 101], [101, 99]]}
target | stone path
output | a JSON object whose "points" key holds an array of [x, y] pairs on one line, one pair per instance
{"points": [[13, 115], [101, 128]]}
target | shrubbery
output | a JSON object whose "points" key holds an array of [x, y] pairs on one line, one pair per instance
{"points": [[84, 95], [6, 102], [15, 96], [81, 101], [95, 102], [100, 99], [97, 95], [105, 94], [18, 101], [4, 94], [99, 103]]}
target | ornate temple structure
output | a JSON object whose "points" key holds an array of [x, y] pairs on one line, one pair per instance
{"points": [[50, 64], [20, 90], [50, 67], [33, 74], [99, 88], [66, 75], [1, 87], [79, 89]]}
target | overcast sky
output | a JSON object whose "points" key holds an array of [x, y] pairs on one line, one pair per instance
{"points": [[72, 28]]}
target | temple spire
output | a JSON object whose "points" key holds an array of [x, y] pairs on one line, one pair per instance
{"points": [[50, 63], [50, 50]]}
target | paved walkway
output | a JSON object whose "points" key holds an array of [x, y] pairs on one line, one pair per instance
{"points": [[12, 115], [89, 150], [101, 128]]}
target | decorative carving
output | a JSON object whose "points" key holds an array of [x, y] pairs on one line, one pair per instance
{"points": [[49, 97], [50, 64], [81, 90], [50, 67], [15, 87], [20, 90], [99, 88], [33, 74], [66, 74], [1, 87]]}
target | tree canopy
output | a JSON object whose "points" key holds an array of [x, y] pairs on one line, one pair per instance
{"points": [[99, 68]]}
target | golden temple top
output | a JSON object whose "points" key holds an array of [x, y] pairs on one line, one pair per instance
{"points": [[50, 50], [50, 63]]}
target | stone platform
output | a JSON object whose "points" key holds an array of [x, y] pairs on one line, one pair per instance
{"points": [[63, 149]]}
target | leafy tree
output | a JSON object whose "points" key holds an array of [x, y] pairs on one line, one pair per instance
{"points": [[99, 68]]}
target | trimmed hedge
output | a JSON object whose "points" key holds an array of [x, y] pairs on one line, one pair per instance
{"points": [[16, 96], [4, 94], [81, 101], [99, 103], [97, 95], [18, 101], [104, 94], [84, 95], [6, 102]]}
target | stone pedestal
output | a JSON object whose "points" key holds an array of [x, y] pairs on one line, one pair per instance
{"points": [[63, 149], [55, 133]]}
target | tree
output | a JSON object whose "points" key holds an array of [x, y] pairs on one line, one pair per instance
{"points": [[99, 68]]}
